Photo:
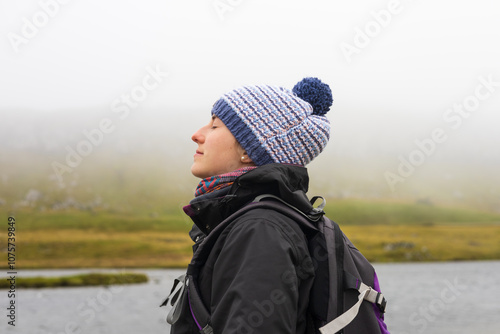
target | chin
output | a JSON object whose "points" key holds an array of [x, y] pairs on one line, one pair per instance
{"points": [[197, 172]]}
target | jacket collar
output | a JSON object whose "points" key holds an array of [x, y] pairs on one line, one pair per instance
{"points": [[289, 182]]}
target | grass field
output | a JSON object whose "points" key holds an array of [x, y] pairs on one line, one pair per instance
{"points": [[383, 231], [91, 279]]}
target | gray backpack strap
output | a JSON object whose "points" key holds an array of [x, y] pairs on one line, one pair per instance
{"points": [[374, 297], [347, 317], [314, 215], [365, 293], [176, 298], [201, 315]]}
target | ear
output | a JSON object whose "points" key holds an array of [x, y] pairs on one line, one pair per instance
{"points": [[246, 159]]}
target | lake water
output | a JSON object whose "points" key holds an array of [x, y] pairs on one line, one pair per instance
{"points": [[458, 297]]}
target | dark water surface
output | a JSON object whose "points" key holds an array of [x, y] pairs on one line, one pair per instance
{"points": [[451, 297]]}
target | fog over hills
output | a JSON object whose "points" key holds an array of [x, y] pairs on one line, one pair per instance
{"points": [[375, 158]]}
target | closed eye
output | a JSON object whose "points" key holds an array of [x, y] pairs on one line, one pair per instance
{"points": [[214, 122]]}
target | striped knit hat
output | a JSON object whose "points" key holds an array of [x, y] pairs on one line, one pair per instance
{"points": [[275, 124]]}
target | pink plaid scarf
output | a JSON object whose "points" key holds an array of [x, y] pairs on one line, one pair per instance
{"points": [[217, 182]]}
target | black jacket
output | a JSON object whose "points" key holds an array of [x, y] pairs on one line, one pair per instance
{"points": [[258, 274]]}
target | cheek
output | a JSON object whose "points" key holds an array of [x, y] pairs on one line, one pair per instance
{"points": [[230, 154], [226, 143], [236, 149]]}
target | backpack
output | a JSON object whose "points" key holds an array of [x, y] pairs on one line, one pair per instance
{"points": [[345, 296]]}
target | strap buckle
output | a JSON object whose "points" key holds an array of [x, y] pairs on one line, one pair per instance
{"points": [[382, 303], [207, 330]]}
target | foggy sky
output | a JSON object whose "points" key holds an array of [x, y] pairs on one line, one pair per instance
{"points": [[422, 56]]}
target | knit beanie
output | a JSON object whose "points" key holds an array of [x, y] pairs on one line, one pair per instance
{"points": [[278, 125]]}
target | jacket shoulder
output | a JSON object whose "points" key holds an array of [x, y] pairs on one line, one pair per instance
{"points": [[269, 225]]}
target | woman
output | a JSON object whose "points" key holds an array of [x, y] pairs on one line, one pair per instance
{"points": [[257, 141]]}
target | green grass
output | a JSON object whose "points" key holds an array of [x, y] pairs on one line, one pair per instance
{"points": [[89, 249], [363, 212], [101, 221], [386, 243], [91, 279], [384, 231]]}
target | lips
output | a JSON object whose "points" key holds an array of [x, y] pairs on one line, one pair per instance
{"points": [[198, 153]]}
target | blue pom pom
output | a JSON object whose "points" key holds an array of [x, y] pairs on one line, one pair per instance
{"points": [[317, 93]]}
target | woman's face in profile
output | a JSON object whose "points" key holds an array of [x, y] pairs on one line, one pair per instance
{"points": [[218, 151]]}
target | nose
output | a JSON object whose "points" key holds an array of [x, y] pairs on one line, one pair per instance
{"points": [[198, 136]]}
